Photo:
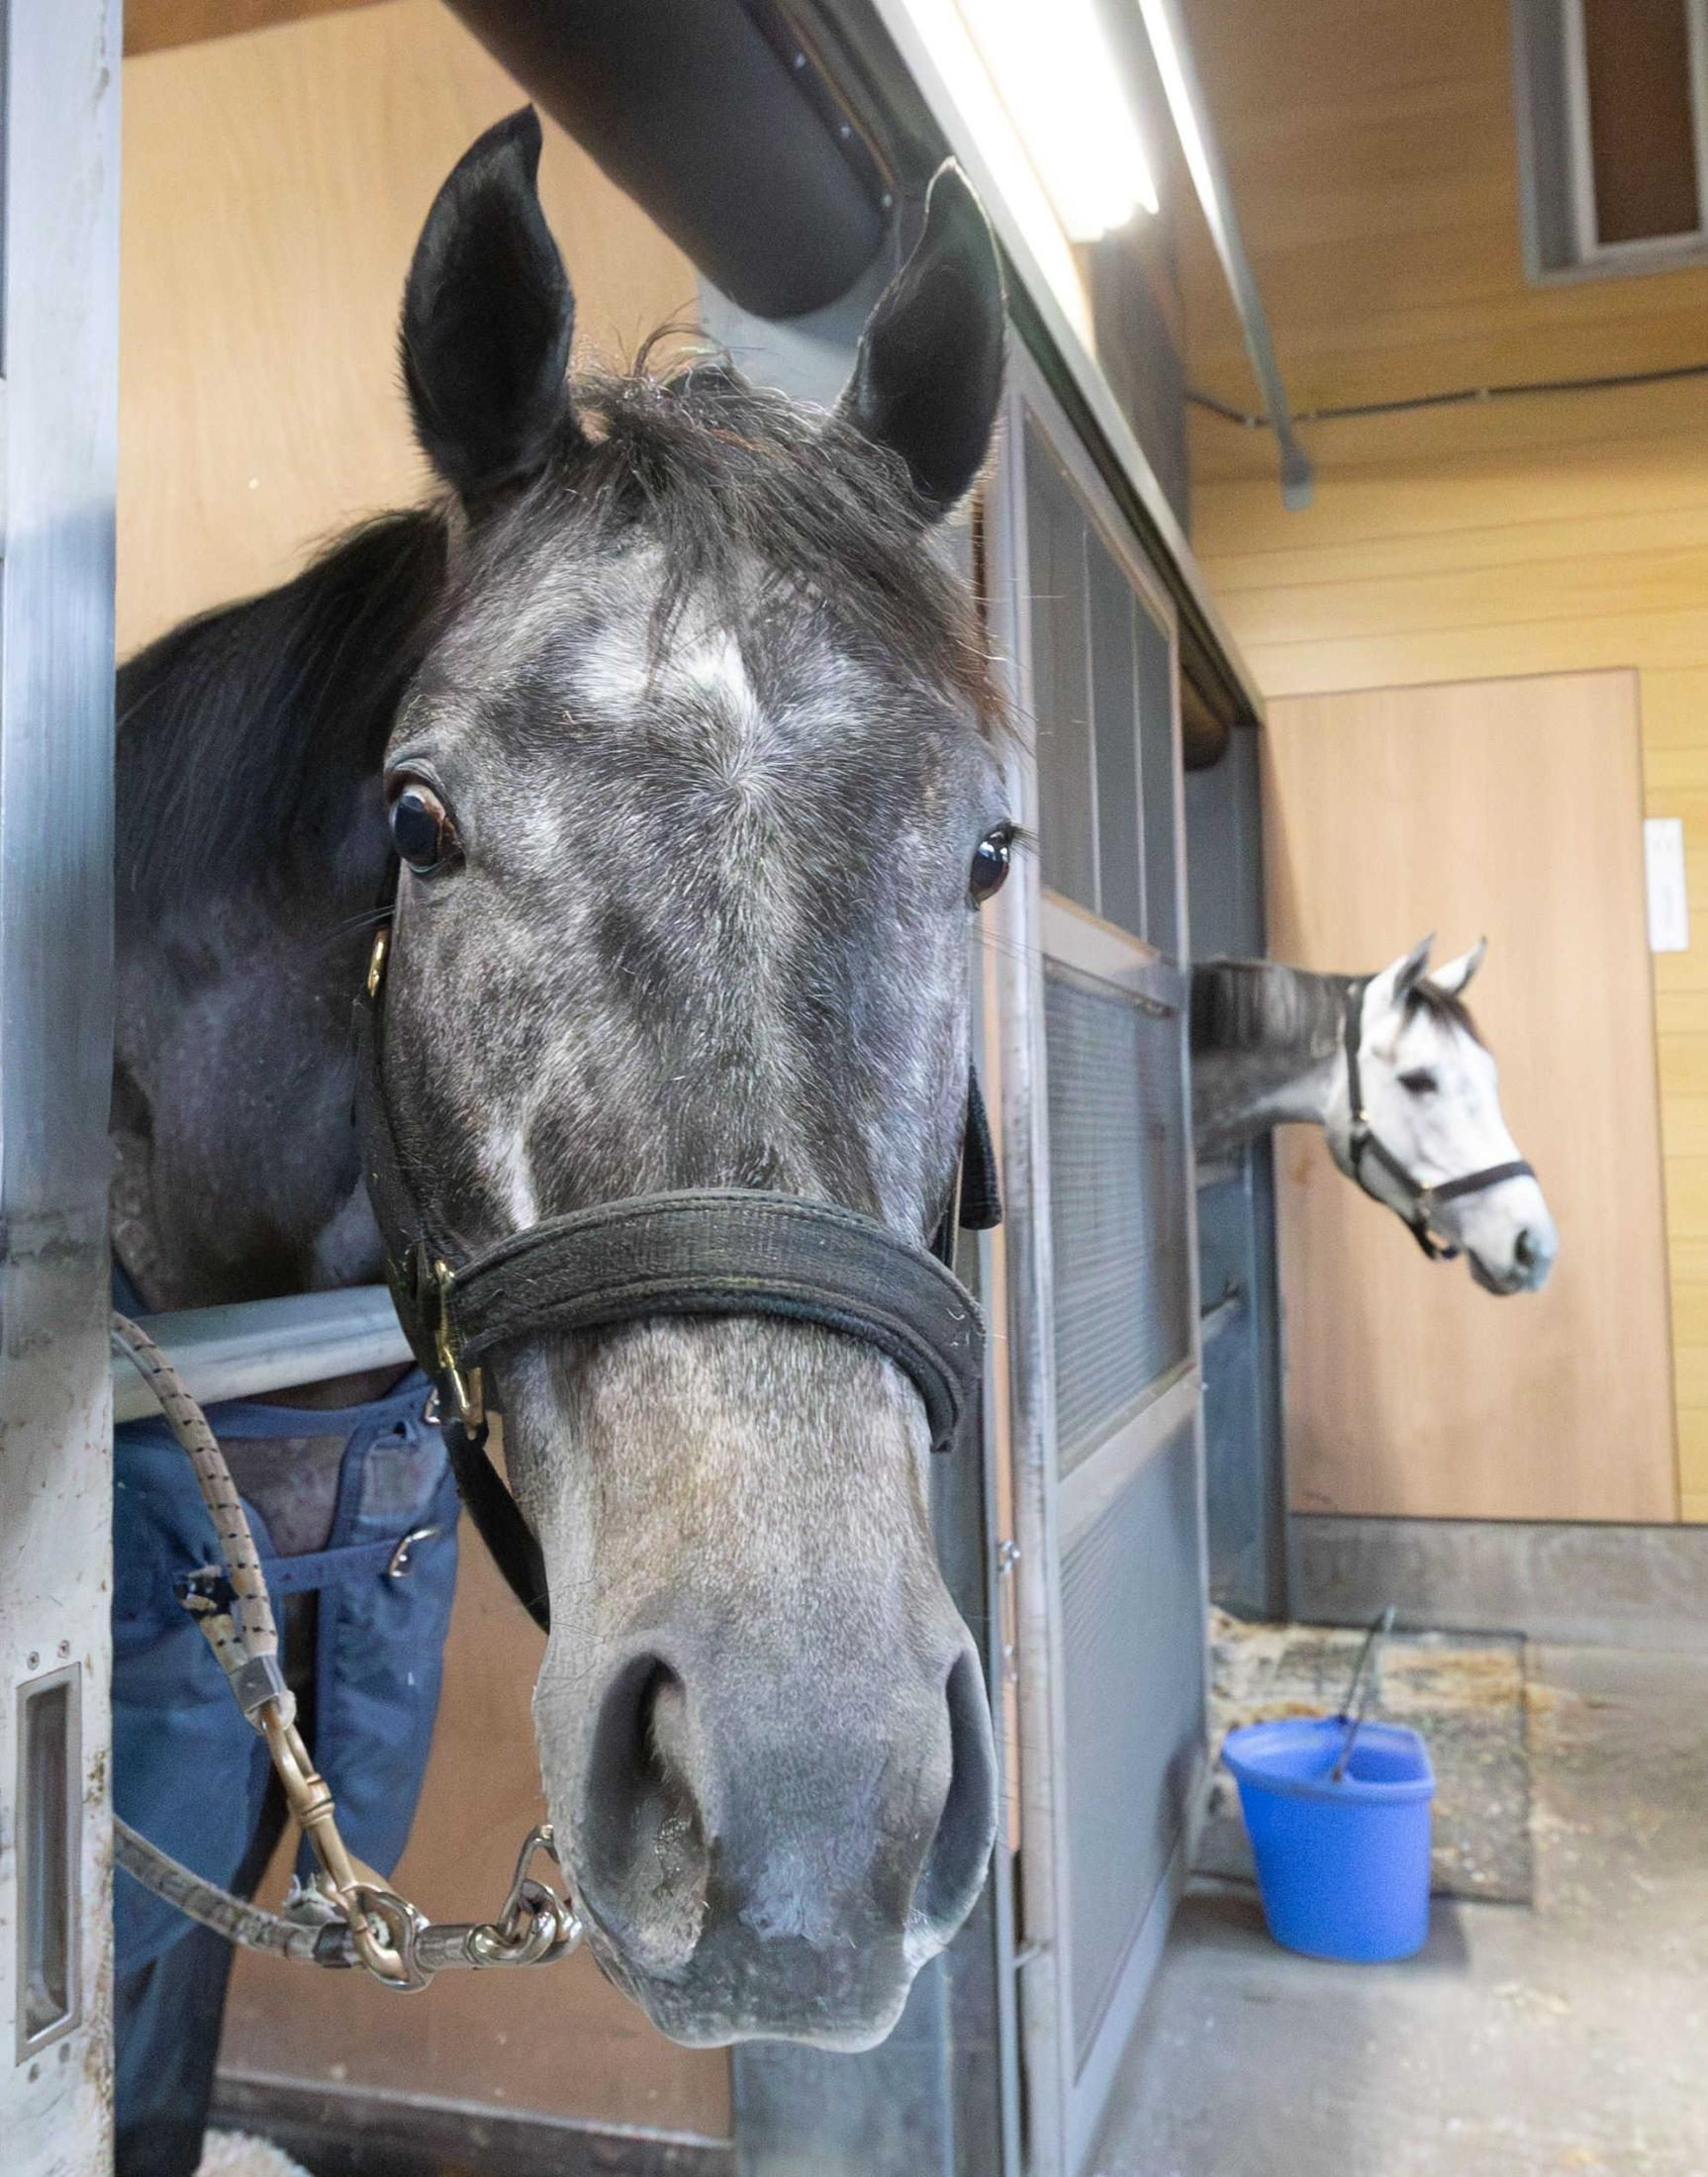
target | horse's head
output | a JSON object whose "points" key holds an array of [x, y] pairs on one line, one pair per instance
{"points": [[692, 794], [1432, 1103]]}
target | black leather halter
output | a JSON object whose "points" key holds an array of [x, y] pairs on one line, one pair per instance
{"points": [[713, 1250], [1364, 1142]]}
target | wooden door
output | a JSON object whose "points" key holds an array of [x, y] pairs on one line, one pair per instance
{"points": [[1511, 808]]}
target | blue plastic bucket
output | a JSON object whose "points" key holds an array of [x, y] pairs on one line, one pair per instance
{"points": [[1344, 1867]]}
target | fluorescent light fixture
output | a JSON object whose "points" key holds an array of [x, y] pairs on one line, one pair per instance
{"points": [[1053, 71]]}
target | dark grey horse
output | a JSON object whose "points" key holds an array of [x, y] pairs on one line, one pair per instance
{"points": [[681, 733], [1268, 1046]]}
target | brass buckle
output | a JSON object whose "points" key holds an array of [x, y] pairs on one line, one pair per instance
{"points": [[382, 945], [468, 1392]]}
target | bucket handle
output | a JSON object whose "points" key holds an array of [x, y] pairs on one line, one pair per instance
{"points": [[1355, 1707]]}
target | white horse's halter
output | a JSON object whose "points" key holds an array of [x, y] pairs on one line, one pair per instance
{"points": [[1362, 1141]]}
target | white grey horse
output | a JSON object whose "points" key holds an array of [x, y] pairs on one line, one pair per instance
{"points": [[1392, 1069]]}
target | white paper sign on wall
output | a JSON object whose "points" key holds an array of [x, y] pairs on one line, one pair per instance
{"points": [[1669, 900]]}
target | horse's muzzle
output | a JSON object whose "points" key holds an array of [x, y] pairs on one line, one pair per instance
{"points": [[779, 1860]]}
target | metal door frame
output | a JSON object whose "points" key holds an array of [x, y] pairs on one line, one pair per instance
{"points": [[1064, 2101], [59, 229]]}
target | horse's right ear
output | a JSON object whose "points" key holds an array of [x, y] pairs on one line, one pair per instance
{"points": [[487, 319]]}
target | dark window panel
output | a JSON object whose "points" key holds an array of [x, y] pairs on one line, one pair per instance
{"points": [[1060, 692], [1115, 720], [1157, 781], [1641, 128]]}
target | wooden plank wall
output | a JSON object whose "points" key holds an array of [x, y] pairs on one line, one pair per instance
{"points": [[274, 186], [1373, 154]]}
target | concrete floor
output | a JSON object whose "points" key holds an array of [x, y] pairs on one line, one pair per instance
{"points": [[1571, 2037]]}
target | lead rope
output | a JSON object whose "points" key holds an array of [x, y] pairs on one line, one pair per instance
{"points": [[349, 1915]]}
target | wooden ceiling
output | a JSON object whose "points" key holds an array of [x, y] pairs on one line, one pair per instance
{"points": [[1373, 152]]}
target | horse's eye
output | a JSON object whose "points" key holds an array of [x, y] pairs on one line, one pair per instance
{"points": [[1420, 1084], [990, 862], [422, 829]]}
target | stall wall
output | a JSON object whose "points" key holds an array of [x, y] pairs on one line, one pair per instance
{"points": [[274, 184], [1373, 154]]}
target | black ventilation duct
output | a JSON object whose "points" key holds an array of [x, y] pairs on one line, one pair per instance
{"points": [[719, 124], [1207, 718]]}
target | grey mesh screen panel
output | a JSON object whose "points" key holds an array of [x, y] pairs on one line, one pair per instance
{"points": [[1156, 679], [1133, 1657], [1103, 687], [1061, 695], [1115, 724], [1121, 1301]]}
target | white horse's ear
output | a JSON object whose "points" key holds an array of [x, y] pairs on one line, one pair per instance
{"points": [[1457, 973], [1393, 981]]}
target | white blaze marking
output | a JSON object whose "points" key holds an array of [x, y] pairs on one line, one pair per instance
{"points": [[514, 1167]]}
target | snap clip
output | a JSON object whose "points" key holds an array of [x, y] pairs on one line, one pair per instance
{"points": [[401, 1563]]}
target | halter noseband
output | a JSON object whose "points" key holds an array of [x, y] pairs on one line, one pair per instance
{"points": [[1364, 1141], [712, 1251]]}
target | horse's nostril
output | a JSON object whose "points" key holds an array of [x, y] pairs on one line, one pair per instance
{"points": [[752, 1857], [642, 1836], [953, 1869], [1524, 1250]]}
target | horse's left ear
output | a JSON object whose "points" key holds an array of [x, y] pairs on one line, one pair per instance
{"points": [[487, 319], [930, 371], [1457, 973]]}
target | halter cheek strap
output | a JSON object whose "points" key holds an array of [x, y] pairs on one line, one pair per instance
{"points": [[712, 1251], [1364, 1145]]}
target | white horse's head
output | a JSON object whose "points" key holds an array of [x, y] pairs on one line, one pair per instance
{"points": [[1432, 1111]]}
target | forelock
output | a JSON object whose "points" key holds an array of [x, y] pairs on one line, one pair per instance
{"points": [[748, 499], [1446, 1007]]}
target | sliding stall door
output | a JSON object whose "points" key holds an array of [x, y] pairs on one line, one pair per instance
{"points": [[1104, 1319], [58, 351]]}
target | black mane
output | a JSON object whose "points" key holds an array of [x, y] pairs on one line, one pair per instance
{"points": [[1260, 1004], [248, 728]]}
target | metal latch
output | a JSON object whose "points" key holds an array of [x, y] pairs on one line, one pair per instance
{"points": [[1009, 1609]]}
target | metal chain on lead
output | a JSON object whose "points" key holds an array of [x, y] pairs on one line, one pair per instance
{"points": [[352, 1917], [534, 1928]]}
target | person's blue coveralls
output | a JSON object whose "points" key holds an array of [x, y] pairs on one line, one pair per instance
{"points": [[192, 1775]]}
